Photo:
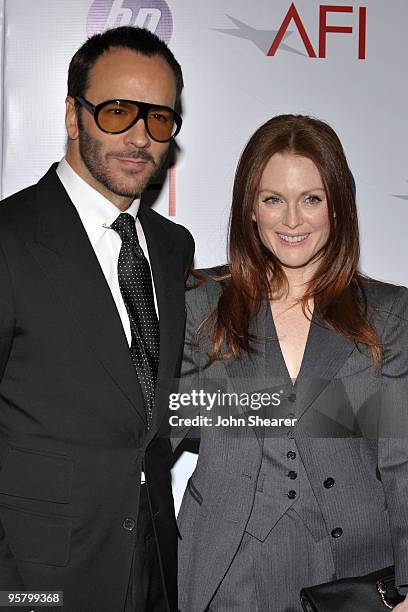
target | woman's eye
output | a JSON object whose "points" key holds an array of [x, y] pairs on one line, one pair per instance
{"points": [[313, 199], [271, 200]]}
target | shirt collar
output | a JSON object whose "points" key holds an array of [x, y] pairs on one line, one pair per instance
{"points": [[93, 208]]}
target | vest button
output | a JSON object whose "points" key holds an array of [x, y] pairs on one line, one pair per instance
{"points": [[292, 475], [290, 434], [128, 524], [329, 483], [291, 455], [292, 397], [337, 533], [292, 494]]}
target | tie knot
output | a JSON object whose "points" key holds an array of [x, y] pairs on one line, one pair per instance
{"points": [[125, 226]]}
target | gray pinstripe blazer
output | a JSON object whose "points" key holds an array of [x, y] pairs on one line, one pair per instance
{"points": [[352, 426]]}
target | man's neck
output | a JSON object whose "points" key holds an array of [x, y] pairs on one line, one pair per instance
{"points": [[121, 202]]}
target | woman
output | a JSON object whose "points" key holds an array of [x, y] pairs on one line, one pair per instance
{"points": [[314, 486]]}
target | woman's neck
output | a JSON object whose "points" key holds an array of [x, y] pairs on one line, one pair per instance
{"points": [[298, 280]]}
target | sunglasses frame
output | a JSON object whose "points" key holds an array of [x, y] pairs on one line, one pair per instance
{"points": [[144, 108]]}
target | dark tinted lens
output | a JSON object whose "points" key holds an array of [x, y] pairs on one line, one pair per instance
{"points": [[161, 124], [117, 116]]}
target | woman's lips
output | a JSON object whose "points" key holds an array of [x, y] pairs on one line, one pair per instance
{"points": [[292, 240]]}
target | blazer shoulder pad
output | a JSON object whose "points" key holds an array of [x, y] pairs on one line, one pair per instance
{"points": [[381, 295], [17, 213], [205, 285]]}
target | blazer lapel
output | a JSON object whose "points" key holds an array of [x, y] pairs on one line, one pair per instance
{"points": [[63, 251], [262, 371], [168, 278], [325, 352]]}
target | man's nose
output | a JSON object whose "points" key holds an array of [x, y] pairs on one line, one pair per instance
{"points": [[137, 135]]}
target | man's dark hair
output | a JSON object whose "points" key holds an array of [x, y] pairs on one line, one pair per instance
{"points": [[139, 40]]}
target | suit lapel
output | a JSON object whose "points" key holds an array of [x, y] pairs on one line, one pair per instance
{"points": [[260, 371], [168, 281], [325, 352], [63, 251]]}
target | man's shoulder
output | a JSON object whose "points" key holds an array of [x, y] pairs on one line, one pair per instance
{"points": [[24, 200], [162, 222], [176, 236], [16, 210], [20, 198]]}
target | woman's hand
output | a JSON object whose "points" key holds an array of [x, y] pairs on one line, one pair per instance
{"points": [[403, 606]]}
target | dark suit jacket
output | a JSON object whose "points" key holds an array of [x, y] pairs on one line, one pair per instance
{"points": [[351, 436], [73, 434]]}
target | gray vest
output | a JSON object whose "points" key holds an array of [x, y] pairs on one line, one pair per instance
{"points": [[282, 483]]}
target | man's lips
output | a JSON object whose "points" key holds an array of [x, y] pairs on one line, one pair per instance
{"points": [[129, 161]]}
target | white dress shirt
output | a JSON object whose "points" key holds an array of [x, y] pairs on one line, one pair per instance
{"points": [[95, 212]]}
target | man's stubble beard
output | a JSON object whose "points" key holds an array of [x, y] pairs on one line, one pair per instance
{"points": [[97, 165]]}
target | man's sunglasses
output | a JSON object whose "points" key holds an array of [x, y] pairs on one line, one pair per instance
{"points": [[117, 116]]}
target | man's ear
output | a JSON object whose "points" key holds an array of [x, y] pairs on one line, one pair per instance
{"points": [[71, 118]]}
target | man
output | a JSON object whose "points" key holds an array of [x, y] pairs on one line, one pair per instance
{"points": [[88, 344]]}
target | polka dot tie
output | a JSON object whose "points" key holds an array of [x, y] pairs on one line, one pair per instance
{"points": [[135, 284]]}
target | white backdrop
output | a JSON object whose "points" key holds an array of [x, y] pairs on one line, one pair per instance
{"points": [[232, 86]]}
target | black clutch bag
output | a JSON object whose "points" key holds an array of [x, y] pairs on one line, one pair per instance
{"points": [[374, 592]]}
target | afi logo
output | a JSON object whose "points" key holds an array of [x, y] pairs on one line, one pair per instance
{"points": [[153, 15], [292, 16]]}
